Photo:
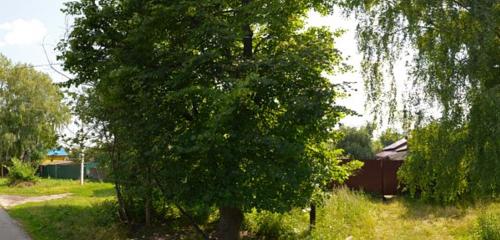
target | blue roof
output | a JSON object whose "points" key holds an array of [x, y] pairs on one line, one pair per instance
{"points": [[57, 152]]}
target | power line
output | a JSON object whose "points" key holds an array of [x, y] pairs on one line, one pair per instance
{"points": [[39, 65]]}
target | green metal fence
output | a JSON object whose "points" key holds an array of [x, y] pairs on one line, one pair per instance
{"points": [[67, 171], [70, 171]]}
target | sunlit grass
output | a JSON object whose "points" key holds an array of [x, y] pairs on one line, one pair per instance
{"points": [[58, 186], [86, 214], [348, 213]]}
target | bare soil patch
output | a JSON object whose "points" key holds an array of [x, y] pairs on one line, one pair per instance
{"points": [[7, 201]]}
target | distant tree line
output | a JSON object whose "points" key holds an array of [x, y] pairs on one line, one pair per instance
{"points": [[31, 113], [362, 144]]}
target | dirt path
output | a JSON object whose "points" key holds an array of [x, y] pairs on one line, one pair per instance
{"points": [[7, 201]]}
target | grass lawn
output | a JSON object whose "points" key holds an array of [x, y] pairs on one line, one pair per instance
{"points": [[362, 216], [83, 215], [88, 214]]}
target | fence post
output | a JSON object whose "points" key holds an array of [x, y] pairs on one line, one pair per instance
{"points": [[382, 178], [312, 217], [82, 168]]}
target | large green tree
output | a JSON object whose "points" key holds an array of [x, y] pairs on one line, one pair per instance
{"points": [[214, 103], [31, 112], [454, 47], [357, 142], [389, 136]]}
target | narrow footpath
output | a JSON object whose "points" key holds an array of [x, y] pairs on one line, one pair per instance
{"points": [[10, 229]]}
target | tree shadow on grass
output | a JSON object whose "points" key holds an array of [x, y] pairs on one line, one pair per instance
{"points": [[103, 193]]}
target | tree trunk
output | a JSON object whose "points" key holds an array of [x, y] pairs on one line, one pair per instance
{"points": [[229, 224], [147, 205], [248, 37], [122, 210], [147, 211]]}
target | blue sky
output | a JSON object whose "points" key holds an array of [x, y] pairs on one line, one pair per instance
{"points": [[26, 24]]}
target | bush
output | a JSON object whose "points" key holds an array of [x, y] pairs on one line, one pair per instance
{"points": [[21, 172], [488, 226], [267, 225], [105, 213]]}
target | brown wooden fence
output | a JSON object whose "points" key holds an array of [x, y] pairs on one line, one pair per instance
{"points": [[377, 176]]}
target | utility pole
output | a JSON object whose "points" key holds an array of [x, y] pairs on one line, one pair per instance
{"points": [[82, 168]]}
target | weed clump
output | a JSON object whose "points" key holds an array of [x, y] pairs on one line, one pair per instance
{"points": [[21, 174]]}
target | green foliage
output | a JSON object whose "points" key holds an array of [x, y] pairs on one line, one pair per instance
{"points": [[350, 213], [453, 47], [346, 213], [389, 136], [357, 142], [433, 170], [443, 165], [21, 172], [31, 111], [210, 103], [267, 225], [488, 226]]}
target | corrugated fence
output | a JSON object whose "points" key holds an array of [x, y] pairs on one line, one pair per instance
{"points": [[377, 176], [70, 171]]}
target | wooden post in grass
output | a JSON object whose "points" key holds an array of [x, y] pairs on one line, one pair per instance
{"points": [[312, 216], [82, 168]]}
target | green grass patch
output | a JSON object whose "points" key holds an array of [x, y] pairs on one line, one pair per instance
{"points": [[488, 225], [89, 213], [58, 186], [349, 213]]}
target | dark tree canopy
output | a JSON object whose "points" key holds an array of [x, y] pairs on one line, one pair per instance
{"points": [[219, 103], [357, 142]]}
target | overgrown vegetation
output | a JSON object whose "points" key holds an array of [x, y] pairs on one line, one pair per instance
{"points": [[488, 225], [452, 49], [91, 213], [21, 173], [362, 216]]}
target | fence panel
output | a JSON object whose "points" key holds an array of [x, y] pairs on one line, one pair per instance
{"points": [[376, 176]]}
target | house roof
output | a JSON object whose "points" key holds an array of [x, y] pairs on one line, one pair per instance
{"points": [[399, 143], [396, 151], [57, 152], [57, 162]]}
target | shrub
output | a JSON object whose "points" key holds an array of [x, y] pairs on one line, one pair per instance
{"points": [[488, 226], [269, 225], [21, 172], [105, 213]]}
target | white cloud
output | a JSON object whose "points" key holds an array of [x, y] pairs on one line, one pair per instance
{"points": [[22, 32]]}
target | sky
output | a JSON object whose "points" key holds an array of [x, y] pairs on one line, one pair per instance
{"points": [[28, 25]]}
